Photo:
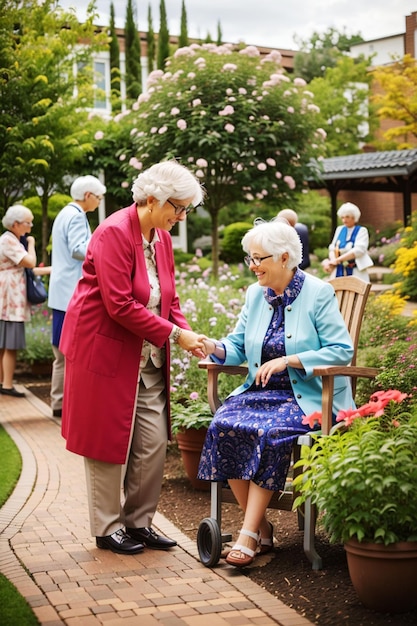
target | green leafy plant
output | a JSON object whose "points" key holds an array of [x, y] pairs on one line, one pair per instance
{"points": [[363, 476], [194, 413], [38, 337]]}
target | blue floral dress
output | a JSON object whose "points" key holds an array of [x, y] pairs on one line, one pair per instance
{"points": [[252, 434]]}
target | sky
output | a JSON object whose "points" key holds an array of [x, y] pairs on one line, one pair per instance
{"points": [[271, 23]]}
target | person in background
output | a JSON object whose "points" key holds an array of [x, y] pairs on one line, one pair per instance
{"points": [[116, 341], [302, 230], [289, 324], [71, 233], [348, 251], [14, 305]]}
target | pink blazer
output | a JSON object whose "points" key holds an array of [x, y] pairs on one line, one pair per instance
{"points": [[104, 327]]}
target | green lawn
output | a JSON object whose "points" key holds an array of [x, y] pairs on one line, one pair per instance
{"points": [[14, 610]]}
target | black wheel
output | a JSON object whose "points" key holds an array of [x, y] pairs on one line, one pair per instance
{"points": [[209, 541]]}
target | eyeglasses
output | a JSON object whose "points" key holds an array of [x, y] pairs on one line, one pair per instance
{"points": [[26, 222], [99, 198], [179, 209], [257, 260]]}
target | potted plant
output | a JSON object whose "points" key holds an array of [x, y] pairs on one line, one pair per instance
{"points": [[189, 423], [363, 480]]}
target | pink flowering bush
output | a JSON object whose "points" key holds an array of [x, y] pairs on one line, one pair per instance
{"points": [[237, 119], [363, 477]]}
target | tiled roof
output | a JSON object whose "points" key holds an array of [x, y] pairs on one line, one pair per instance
{"points": [[370, 164]]}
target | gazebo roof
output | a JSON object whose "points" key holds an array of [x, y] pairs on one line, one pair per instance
{"points": [[370, 165], [391, 170]]}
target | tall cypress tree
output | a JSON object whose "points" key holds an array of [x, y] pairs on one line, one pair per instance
{"points": [[163, 39], [183, 40], [133, 52], [114, 62], [219, 34], [150, 39]]}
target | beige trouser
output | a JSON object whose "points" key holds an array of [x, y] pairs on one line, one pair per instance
{"points": [[127, 495], [57, 380]]}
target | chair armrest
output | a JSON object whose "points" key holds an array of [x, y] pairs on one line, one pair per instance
{"points": [[328, 373], [213, 371]]}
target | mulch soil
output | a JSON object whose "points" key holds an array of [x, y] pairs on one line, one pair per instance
{"points": [[324, 597]]}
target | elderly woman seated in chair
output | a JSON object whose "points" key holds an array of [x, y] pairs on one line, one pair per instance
{"points": [[289, 324]]}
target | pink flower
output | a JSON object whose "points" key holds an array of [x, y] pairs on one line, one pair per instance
{"points": [[390, 394], [201, 163], [182, 124], [162, 130], [228, 110], [290, 181], [196, 102], [313, 419], [175, 111], [99, 135], [194, 395], [229, 128], [261, 167]]}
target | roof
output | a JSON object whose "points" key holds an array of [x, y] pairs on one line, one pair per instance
{"points": [[370, 165]]}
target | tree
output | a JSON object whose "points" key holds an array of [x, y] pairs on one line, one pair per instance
{"points": [[133, 53], [219, 34], [342, 95], [398, 101], [43, 130], [183, 38], [242, 124], [150, 39], [114, 62], [163, 38], [322, 51]]}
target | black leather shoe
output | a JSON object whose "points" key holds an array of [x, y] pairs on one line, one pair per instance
{"points": [[12, 392], [57, 412], [151, 539], [119, 542]]}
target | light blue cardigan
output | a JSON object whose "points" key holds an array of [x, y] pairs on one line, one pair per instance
{"points": [[314, 330]]}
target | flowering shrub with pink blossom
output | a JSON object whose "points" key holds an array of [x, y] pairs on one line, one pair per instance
{"points": [[245, 127]]}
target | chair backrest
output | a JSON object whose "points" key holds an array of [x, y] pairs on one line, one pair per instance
{"points": [[352, 294]]}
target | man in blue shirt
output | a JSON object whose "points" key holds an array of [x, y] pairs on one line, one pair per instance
{"points": [[71, 233], [302, 230]]}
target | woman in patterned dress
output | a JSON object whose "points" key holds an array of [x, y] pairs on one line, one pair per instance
{"points": [[14, 306], [289, 324]]}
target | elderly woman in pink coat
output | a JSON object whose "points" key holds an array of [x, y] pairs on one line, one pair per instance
{"points": [[116, 342]]}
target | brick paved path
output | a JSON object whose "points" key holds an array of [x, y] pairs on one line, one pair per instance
{"points": [[47, 551]]}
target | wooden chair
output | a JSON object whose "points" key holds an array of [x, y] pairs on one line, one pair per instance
{"points": [[352, 294]]}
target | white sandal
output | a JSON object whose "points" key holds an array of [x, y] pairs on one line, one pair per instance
{"points": [[242, 556]]}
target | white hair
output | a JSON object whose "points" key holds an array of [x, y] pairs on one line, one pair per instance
{"points": [[166, 180], [84, 184], [348, 208], [275, 238], [16, 213]]}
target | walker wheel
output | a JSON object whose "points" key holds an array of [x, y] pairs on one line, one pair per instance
{"points": [[209, 541]]}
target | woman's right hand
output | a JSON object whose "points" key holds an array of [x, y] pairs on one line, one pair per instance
{"points": [[191, 342]]}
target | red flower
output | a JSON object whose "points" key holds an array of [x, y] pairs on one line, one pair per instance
{"points": [[313, 419], [390, 394]]}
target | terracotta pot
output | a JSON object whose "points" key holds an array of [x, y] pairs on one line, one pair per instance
{"points": [[190, 443], [384, 577]]}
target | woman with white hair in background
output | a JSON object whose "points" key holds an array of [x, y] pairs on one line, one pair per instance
{"points": [[289, 324], [348, 251], [14, 305]]}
